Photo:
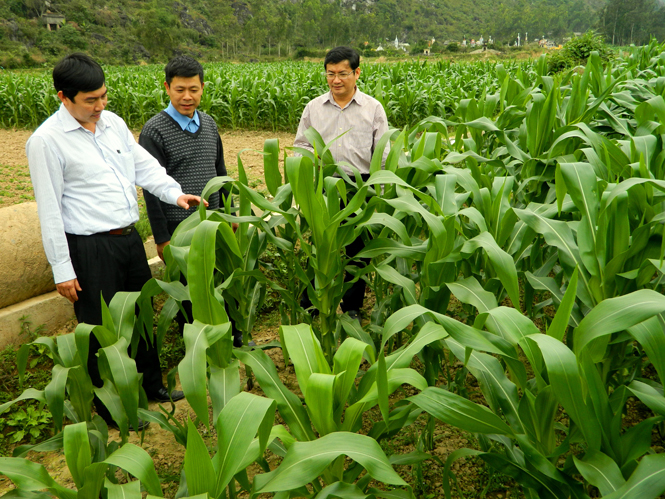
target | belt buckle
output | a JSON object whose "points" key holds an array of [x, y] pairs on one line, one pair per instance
{"points": [[127, 230]]}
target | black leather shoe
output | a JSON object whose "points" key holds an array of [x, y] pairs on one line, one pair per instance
{"points": [[142, 425], [162, 395]]}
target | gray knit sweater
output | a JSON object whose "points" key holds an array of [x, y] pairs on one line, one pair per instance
{"points": [[192, 159]]}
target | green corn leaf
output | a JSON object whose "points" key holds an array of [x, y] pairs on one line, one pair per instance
{"points": [[581, 183], [193, 369], [646, 482], [55, 393], [110, 398], [377, 156], [125, 377], [319, 399], [559, 324], [399, 320], [242, 418], [79, 387], [470, 291], [205, 306], [93, 479], [649, 396], [346, 363], [199, 470], [138, 462], [460, 412], [302, 348], [503, 264], [67, 350], [289, 405], [568, 386], [614, 315], [601, 471], [77, 451], [306, 460], [650, 335], [512, 326], [131, 490], [224, 384], [391, 275], [30, 476], [382, 386], [122, 310], [271, 165], [341, 489], [499, 391], [26, 494]]}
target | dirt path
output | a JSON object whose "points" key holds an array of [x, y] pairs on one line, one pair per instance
{"points": [[15, 185]]}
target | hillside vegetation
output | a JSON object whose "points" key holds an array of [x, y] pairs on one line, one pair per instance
{"points": [[131, 31]]}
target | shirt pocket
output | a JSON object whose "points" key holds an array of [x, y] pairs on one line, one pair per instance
{"points": [[126, 166]]}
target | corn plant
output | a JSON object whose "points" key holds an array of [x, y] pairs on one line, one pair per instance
{"points": [[91, 468], [334, 407], [70, 391]]}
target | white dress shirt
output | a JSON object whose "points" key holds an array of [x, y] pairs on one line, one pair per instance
{"points": [[85, 182], [363, 118]]}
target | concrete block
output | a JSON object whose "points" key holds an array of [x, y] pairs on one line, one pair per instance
{"points": [[150, 248], [49, 309], [156, 267], [24, 270]]}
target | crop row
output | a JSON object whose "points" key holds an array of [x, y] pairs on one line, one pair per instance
{"points": [[267, 96]]}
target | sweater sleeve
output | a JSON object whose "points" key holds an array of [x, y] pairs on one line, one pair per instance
{"points": [[153, 205], [220, 166]]}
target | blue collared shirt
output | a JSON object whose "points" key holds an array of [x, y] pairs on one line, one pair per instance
{"points": [[185, 122], [85, 182]]}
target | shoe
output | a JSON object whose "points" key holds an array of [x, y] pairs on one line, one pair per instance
{"points": [[162, 395], [114, 425], [237, 340], [353, 315]]}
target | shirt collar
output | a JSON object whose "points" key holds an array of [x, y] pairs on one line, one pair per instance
{"points": [[69, 123], [357, 97], [181, 119]]}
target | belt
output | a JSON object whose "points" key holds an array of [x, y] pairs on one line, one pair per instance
{"points": [[125, 231]]}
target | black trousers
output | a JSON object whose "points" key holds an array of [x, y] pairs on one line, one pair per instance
{"points": [[105, 264]]}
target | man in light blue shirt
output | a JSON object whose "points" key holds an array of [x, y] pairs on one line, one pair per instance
{"points": [[85, 165]]}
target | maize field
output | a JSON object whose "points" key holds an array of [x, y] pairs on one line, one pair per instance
{"points": [[268, 96], [518, 231]]}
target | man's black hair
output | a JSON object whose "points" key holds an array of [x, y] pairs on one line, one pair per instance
{"points": [[76, 73], [183, 66], [340, 54]]}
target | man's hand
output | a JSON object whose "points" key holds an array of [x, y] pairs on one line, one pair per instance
{"points": [[68, 289], [187, 200], [160, 249]]}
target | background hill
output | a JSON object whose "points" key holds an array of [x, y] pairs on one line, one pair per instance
{"points": [[131, 31]]}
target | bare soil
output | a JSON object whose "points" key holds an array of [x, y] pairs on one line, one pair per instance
{"points": [[15, 185]]}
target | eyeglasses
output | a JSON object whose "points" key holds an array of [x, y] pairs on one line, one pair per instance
{"points": [[341, 76]]}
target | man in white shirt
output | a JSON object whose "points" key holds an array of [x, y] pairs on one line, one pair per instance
{"points": [[84, 165], [346, 109]]}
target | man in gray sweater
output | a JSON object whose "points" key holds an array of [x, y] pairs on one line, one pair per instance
{"points": [[186, 142]]}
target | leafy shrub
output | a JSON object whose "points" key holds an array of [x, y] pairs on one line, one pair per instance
{"points": [[576, 51], [453, 47], [579, 48], [558, 61]]}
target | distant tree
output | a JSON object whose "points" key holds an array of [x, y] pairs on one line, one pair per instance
{"points": [[37, 7], [625, 22]]}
